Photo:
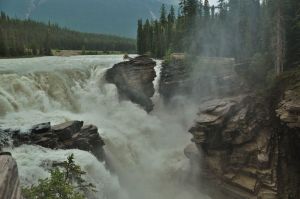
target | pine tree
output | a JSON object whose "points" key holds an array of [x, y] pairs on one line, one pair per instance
{"points": [[183, 7], [292, 28], [206, 10], [170, 28], [3, 15], [171, 15], [140, 37], [47, 47], [163, 19], [147, 34], [3, 45], [222, 9]]}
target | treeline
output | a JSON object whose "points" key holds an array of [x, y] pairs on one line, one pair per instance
{"points": [[235, 28], [27, 37]]}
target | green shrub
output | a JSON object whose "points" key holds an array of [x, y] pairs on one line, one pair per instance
{"points": [[65, 182]]}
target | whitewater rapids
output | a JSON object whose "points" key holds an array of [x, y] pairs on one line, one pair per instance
{"points": [[145, 150]]}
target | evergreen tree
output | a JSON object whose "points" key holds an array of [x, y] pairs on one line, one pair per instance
{"points": [[222, 9], [24, 37], [163, 19], [171, 15], [147, 34], [206, 10], [47, 47], [3, 15], [292, 28], [140, 37], [242, 29], [3, 45]]}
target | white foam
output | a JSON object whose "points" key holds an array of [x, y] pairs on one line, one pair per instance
{"points": [[146, 150]]}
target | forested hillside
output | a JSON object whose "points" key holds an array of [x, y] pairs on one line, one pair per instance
{"points": [[117, 17], [267, 30], [27, 37]]}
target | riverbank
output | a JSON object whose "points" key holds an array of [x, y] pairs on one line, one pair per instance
{"points": [[68, 53]]}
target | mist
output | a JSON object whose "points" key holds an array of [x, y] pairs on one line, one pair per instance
{"points": [[145, 152]]}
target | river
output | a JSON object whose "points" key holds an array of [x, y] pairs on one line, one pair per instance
{"points": [[145, 150]]}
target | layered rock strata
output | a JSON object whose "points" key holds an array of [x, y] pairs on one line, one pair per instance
{"points": [[250, 143], [134, 80], [236, 137]]}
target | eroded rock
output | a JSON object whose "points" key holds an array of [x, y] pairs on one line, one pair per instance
{"points": [[235, 135], [68, 135], [9, 177], [198, 77], [134, 80]]}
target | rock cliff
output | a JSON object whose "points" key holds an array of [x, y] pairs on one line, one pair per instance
{"points": [[251, 143], [236, 137], [182, 77], [134, 80], [245, 142], [9, 178]]}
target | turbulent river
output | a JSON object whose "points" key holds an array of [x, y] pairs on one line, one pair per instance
{"points": [[144, 150]]}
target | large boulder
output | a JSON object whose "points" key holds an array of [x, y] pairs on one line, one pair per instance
{"points": [[68, 135], [134, 80], [9, 178]]}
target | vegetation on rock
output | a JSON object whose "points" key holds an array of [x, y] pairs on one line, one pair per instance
{"points": [[65, 182]]}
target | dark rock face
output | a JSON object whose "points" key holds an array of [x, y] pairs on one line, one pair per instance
{"points": [[9, 178], [236, 137], [199, 78], [69, 135], [250, 144], [288, 125], [134, 80]]}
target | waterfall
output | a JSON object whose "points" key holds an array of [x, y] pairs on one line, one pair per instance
{"points": [[146, 150]]}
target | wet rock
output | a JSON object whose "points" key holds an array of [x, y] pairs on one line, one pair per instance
{"points": [[235, 135], [287, 93], [41, 128], [198, 77], [68, 135], [289, 109], [251, 143], [134, 80], [9, 177]]}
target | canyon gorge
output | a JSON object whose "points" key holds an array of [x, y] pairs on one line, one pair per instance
{"points": [[183, 128]]}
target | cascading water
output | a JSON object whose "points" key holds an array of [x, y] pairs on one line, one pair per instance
{"points": [[145, 150]]}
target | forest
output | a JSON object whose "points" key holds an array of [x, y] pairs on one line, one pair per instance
{"points": [[267, 30], [31, 38]]}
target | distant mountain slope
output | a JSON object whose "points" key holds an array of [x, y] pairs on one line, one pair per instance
{"points": [[102, 16]]}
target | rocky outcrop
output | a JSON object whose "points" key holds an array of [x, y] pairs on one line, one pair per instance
{"points": [[174, 77], [69, 135], [250, 143], [198, 77], [235, 135], [9, 177], [134, 80], [288, 127]]}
